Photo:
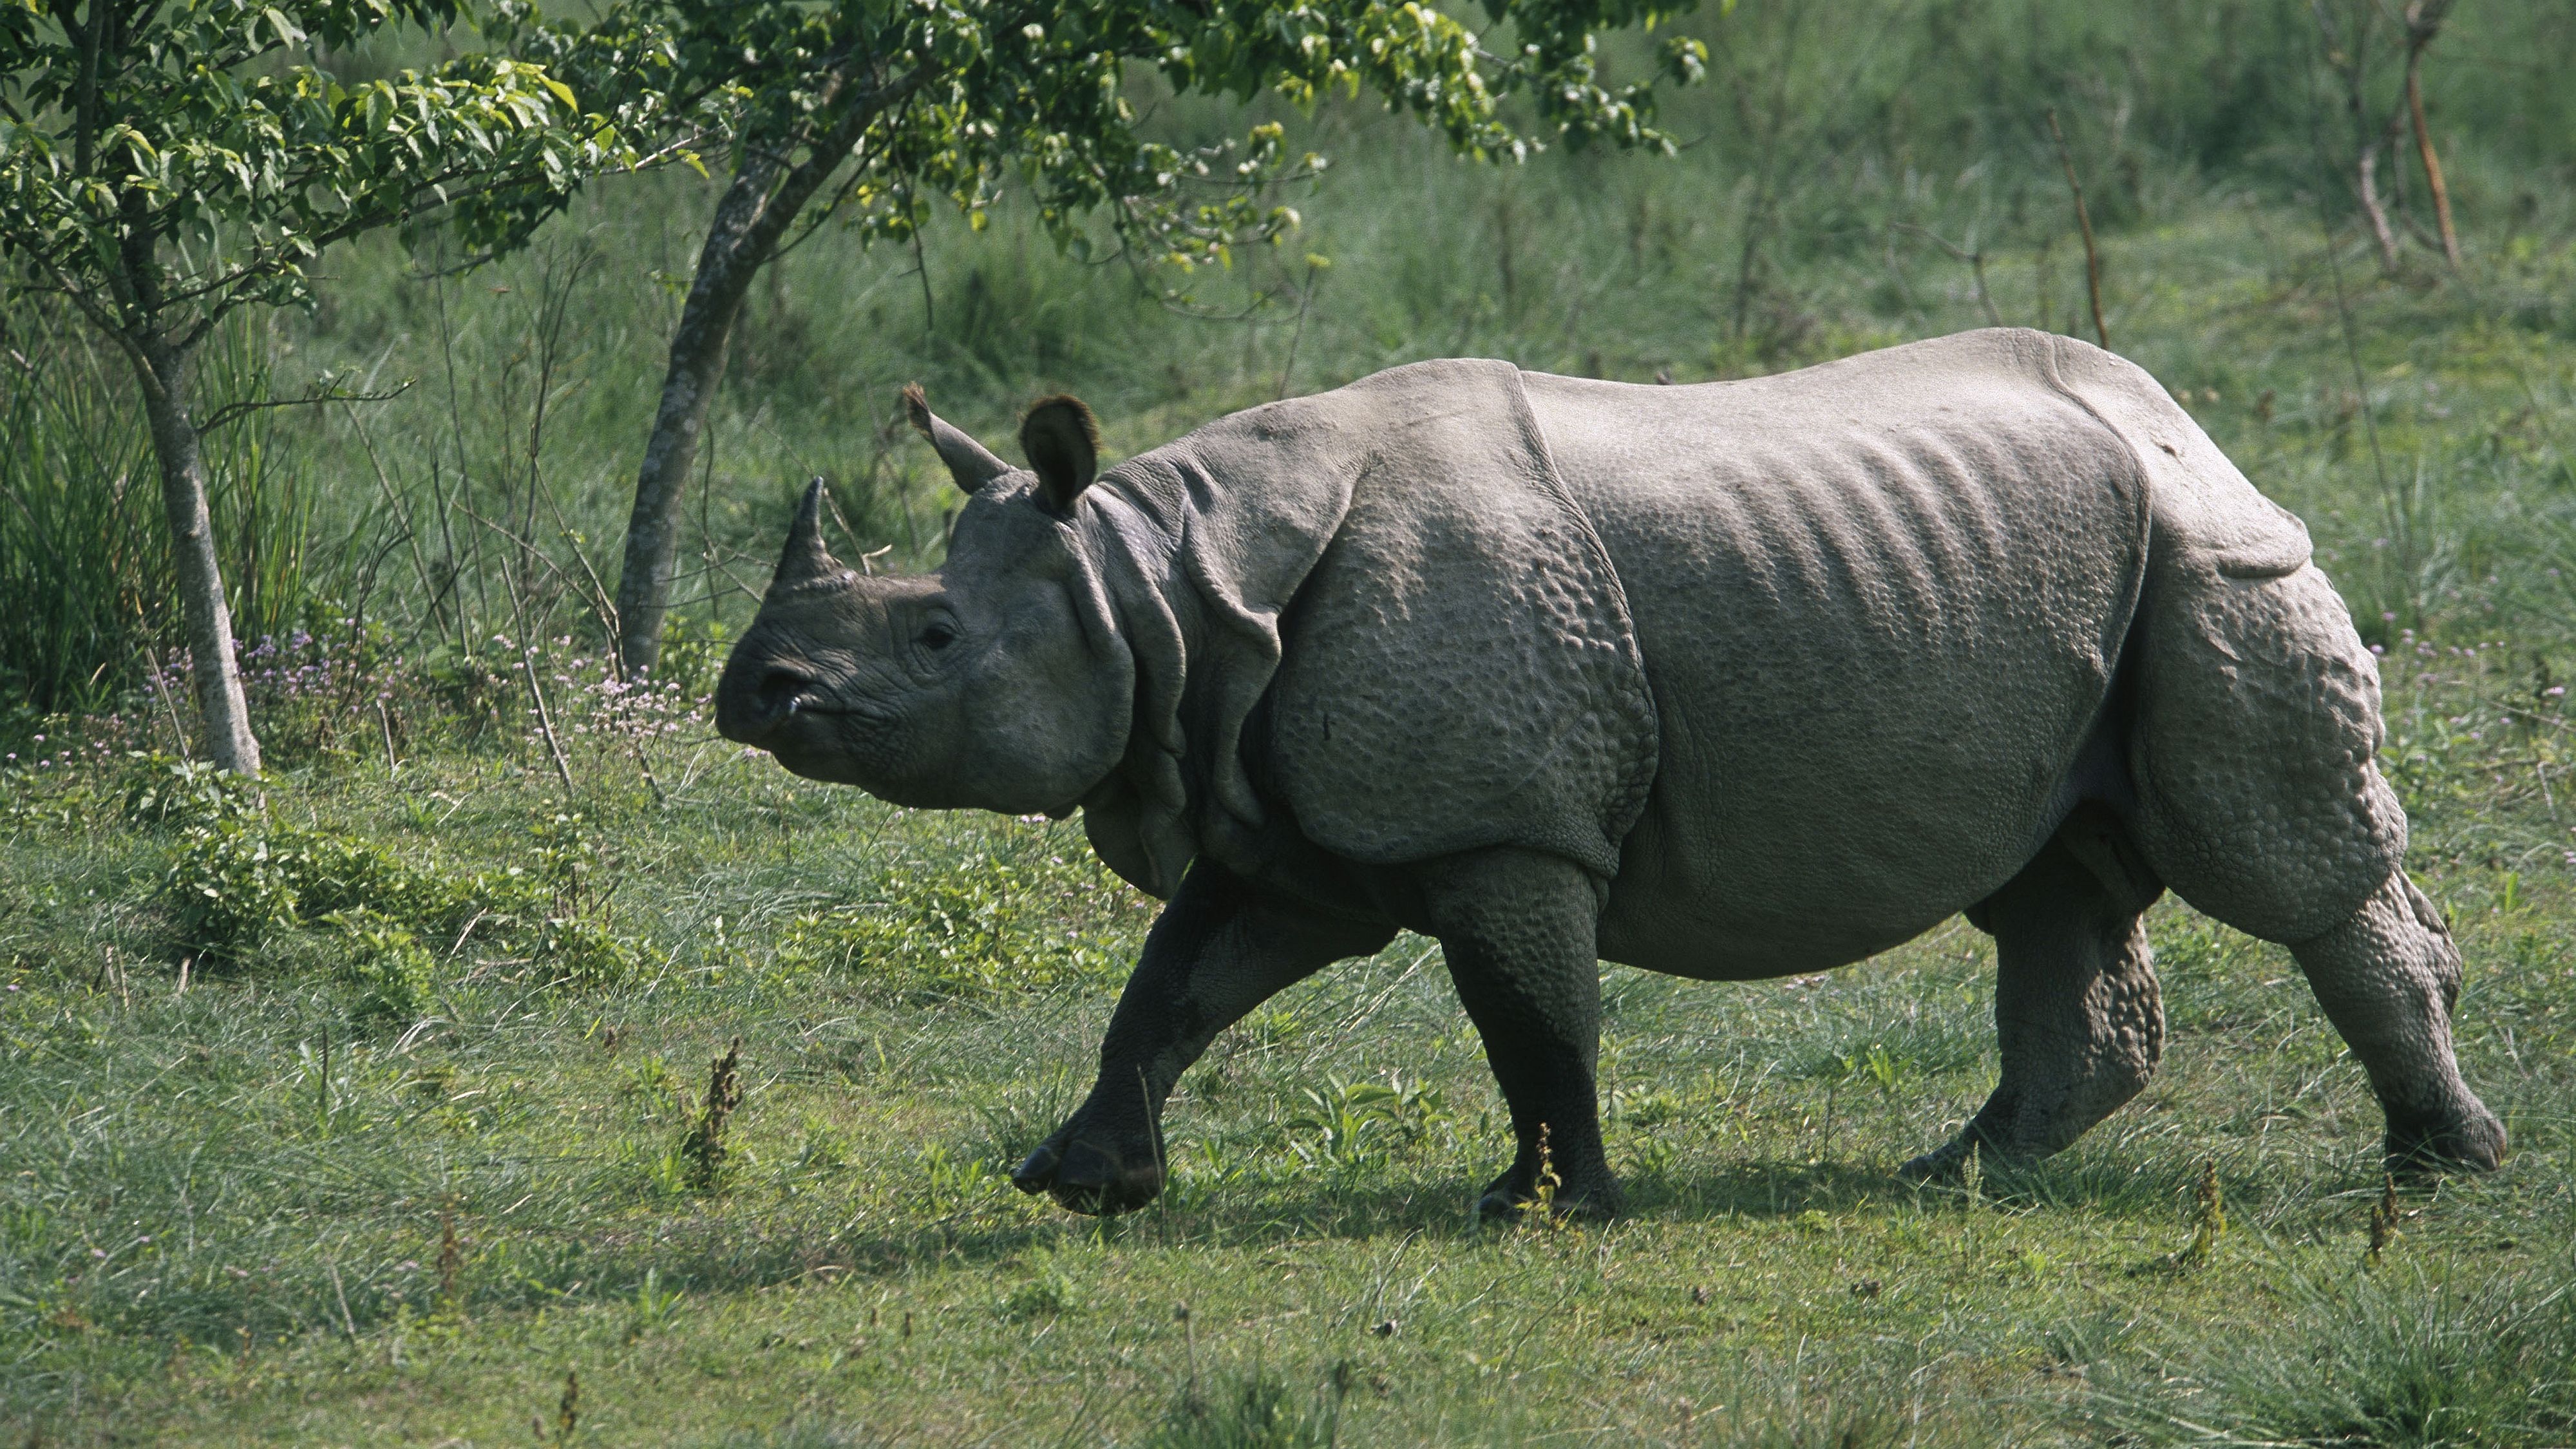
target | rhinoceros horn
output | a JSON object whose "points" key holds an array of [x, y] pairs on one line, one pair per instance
{"points": [[805, 559], [968, 461]]}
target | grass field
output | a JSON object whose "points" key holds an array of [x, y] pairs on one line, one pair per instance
{"points": [[228, 1207], [414, 1148]]}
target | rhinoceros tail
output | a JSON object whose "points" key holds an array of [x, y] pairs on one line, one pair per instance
{"points": [[2201, 508]]}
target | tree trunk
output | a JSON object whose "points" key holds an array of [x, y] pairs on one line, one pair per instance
{"points": [[163, 374], [2421, 32], [725, 270], [758, 207], [2366, 186]]}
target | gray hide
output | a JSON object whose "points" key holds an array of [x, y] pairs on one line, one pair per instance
{"points": [[1730, 680], [1853, 623], [1465, 672]]}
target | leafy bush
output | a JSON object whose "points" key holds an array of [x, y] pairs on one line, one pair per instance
{"points": [[976, 928], [165, 791], [581, 951], [394, 974], [229, 886], [236, 878], [238, 875]]}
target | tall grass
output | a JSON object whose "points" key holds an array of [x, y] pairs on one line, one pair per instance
{"points": [[83, 563], [84, 551]]}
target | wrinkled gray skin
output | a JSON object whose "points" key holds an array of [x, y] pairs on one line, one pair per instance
{"points": [[1727, 681]]}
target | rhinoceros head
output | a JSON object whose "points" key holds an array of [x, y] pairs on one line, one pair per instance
{"points": [[992, 683]]}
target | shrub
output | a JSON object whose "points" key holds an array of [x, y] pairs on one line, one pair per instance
{"points": [[975, 928], [229, 886], [239, 874], [392, 972]]}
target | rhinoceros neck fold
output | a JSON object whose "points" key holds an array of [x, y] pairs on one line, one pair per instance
{"points": [[1396, 566], [1201, 545]]}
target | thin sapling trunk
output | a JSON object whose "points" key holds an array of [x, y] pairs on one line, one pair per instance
{"points": [[758, 206], [163, 373]]}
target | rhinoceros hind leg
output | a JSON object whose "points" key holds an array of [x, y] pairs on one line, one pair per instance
{"points": [[2257, 716], [1520, 932], [2078, 1013], [2388, 977]]}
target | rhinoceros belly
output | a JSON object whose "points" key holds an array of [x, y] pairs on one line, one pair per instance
{"points": [[1879, 604]]}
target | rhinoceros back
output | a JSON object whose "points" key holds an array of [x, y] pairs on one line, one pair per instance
{"points": [[1881, 604]]}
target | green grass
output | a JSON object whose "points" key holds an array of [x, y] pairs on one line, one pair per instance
{"points": [[410, 1146], [225, 1207]]}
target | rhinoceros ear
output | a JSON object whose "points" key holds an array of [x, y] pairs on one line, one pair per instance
{"points": [[969, 462], [1062, 441]]}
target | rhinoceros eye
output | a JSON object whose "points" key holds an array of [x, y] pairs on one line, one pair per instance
{"points": [[937, 635]]}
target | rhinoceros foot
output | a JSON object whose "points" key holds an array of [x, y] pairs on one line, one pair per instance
{"points": [[2469, 1142], [1948, 1162], [1093, 1173], [1591, 1197], [1941, 1164]]}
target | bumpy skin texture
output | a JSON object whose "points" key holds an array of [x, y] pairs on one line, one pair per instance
{"points": [[2079, 1017], [2388, 976], [1726, 681]]}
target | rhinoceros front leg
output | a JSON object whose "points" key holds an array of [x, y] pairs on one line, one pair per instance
{"points": [[1520, 931], [2079, 1016], [1222, 947]]}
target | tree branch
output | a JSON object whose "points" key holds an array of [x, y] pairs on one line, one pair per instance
{"points": [[235, 412]]}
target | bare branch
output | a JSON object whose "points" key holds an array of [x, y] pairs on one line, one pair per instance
{"points": [[235, 412]]}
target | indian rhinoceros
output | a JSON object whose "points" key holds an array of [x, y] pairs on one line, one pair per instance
{"points": [[1730, 681]]}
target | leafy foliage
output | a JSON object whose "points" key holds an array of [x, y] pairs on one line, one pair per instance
{"points": [[955, 99], [239, 874], [215, 124], [977, 927], [392, 972]]}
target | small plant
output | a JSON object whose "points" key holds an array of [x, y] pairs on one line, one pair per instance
{"points": [[2383, 1221], [2208, 1217], [957, 1181], [393, 973], [451, 1267], [1877, 1066], [705, 1150], [652, 1308], [1541, 1206], [583, 952], [1645, 1108], [565, 857], [1350, 1117], [1047, 1295]]}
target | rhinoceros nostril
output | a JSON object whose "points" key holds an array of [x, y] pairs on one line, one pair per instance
{"points": [[779, 689]]}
